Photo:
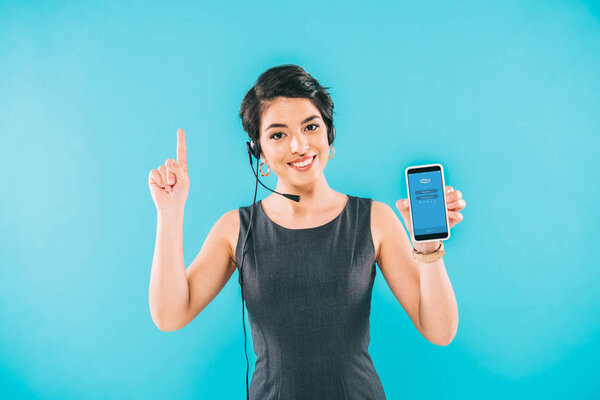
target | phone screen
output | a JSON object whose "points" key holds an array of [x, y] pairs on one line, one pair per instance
{"points": [[428, 207]]}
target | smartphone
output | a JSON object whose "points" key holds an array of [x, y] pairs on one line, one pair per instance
{"points": [[427, 202]]}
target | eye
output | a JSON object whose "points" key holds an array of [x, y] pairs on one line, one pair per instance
{"points": [[315, 125], [278, 133]]}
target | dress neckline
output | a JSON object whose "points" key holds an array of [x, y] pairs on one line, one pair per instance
{"points": [[305, 229]]}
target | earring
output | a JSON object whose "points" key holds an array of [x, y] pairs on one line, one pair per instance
{"points": [[261, 171], [333, 152]]}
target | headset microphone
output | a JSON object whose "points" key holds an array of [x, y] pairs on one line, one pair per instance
{"points": [[253, 151]]}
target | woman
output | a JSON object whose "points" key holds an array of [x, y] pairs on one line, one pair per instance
{"points": [[309, 266]]}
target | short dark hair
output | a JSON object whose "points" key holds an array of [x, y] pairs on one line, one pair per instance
{"points": [[287, 80]]}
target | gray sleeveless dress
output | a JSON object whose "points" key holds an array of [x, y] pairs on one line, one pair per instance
{"points": [[308, 295]]}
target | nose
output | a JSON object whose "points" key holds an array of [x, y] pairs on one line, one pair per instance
{"points": [[299, 144]]}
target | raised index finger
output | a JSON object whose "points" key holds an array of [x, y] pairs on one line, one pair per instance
{"points": [[181, 150]]}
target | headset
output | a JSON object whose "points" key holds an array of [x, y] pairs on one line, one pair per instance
{"points": [[254, 150]]}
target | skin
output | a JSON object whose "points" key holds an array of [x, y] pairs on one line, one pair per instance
{"points": [[178, 295]]}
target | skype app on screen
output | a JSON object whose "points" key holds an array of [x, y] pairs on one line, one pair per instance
{"points": [[427, 198]]}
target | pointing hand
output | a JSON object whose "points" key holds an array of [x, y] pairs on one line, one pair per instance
{"points": [[170, 183]]}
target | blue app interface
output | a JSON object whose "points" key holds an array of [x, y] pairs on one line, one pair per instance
{"points": [[427, 203]]}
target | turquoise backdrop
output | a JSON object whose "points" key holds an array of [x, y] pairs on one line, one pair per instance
{"points": [[505, 94]]}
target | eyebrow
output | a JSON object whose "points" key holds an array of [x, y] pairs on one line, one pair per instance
{"points": [[285, 126]]}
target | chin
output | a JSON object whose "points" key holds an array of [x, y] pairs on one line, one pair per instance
{"points": [[304, 181]]}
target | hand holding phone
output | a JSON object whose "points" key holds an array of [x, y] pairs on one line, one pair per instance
{"points": [[454, 203], [427, 203]]}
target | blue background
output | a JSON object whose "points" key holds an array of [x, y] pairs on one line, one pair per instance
{"points": [[505, 94], [431, 212]]}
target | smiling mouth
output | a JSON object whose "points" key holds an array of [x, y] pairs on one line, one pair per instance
{"points": [[304, 164]]}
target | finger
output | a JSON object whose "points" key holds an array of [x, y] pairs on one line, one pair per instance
{"points": [[181, 150], [455, 195], [402, 204], [155, 179], [177, 169], [457, 205], [163, 175], [171, 178], [455, 217]]}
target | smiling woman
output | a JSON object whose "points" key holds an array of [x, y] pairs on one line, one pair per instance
{"points": [[310, 265], [306, 267]]}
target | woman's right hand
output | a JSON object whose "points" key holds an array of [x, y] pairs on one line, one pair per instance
{"points": [[170, 183]]}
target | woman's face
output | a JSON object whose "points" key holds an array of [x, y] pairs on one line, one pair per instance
{"points": [[292, 130]]}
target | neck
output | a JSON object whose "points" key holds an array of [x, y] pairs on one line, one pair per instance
{"points": [[313, 197]]}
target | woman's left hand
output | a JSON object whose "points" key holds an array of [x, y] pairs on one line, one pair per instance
{"points": [[455, 203]]}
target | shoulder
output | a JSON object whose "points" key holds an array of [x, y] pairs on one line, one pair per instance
{"points": [[230, 217], [380, 212]]}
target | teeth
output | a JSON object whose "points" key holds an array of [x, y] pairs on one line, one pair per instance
{"points": [[303, 164]]}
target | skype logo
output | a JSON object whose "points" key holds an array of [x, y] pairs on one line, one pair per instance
{"points": [[425, 181]]}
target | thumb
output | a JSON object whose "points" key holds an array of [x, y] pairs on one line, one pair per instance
{"points": [[402, 204]]}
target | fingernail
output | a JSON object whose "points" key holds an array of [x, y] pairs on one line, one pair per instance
{"points": [[171, 181]]}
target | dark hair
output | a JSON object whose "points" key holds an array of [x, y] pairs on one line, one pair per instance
{"points": [[284, 81]]}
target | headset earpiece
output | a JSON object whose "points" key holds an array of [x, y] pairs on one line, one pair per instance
{"points": [[253, 149]]}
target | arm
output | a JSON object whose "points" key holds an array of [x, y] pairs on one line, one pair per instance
{"points": [[169, 290], [438, 311], [178, 295], [423, 290]]}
